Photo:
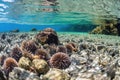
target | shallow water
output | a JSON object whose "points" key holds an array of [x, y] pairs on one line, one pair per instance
{"points": [[62, 15]]}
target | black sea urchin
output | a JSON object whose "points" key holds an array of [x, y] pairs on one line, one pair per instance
{"points": [[9, 65], [60, 60], [16, 53]]}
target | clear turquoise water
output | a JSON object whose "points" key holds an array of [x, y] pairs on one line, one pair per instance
{"points": [[27, 14]]}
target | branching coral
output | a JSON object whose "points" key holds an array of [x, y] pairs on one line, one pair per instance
{"points": [[60, 60]]}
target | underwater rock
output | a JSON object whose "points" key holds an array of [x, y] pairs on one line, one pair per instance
{"points": [[111, 72], [3, 36], [33, 29], [40, 66], [56, 74], [101, 77], [77, 59], [47, 36], [22, 74], [24, 63], [2, 59], [15, 31], [118, 26], [108, 27], [2, 75], [85, 76], [60, 60]]}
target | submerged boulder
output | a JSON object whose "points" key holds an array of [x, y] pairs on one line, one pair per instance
{"points": [[56, 74], [108, 27], [21, 74]]}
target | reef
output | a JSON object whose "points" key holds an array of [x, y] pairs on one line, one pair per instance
{"points": [[108, 27], [76, 57]]}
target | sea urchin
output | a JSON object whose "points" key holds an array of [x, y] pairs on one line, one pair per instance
{"points": [[9, 65], [60, 60]]}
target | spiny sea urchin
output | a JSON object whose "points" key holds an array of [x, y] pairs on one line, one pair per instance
{"points": [[9, 65], [50, 30], [29, 46], [61, 49], [71, 47], [60, 60], [47, 36], [42, 54], [16, 53]]}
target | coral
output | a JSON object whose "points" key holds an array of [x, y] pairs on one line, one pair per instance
{"points": [[107, 27], [40, 66], [29, 46], [9, 65], [16, 53], [61, 49], [47, 36], [24, 63], [42, 54], [60, 60], [56, 74]]}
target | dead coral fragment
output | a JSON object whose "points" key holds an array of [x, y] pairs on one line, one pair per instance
{"points": [[56, 74], [60, 60]]}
